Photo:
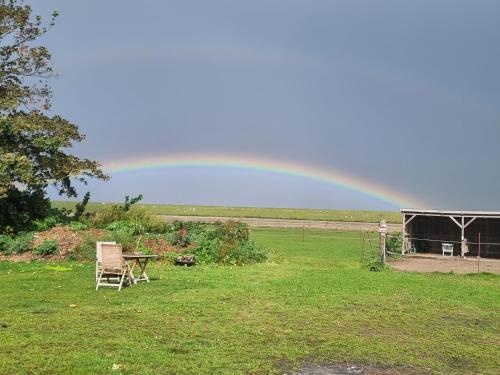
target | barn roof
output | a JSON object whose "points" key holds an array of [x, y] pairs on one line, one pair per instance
{"points": [[413, 211]]}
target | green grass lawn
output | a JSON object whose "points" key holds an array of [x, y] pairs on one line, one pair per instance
{"points": [[272, 213], [317, 305]]}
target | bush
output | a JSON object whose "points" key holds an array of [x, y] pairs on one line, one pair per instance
{"points": [[136, 220], [46, 223], [180, 238], [232, 231], [228, 243], [394, 243], [47, 247], [78, 226], [207, 250], [86, 250], [19, 210], [18, 244], [117, 212], [245, 253], [124, 238]]}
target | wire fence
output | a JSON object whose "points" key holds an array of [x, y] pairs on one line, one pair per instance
{"points": [[369, 242]]}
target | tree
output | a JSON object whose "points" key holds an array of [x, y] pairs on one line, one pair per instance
{"points": [[33, 144]]}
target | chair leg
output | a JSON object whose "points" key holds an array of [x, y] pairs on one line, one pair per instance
{"points": [[99, 280], [121, 281]]}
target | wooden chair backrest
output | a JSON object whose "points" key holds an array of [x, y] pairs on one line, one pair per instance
{"points": [[111, 256], [98, 249]]}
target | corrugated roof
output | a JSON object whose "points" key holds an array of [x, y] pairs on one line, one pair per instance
{"points": [[415, 211]]}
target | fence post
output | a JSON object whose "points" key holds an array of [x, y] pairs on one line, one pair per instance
{"points": [[382, 229]]}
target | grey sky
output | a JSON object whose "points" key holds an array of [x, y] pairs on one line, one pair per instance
{"points": [[404, 93]]}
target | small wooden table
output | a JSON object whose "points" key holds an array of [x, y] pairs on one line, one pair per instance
{"points": [[141, 261]]}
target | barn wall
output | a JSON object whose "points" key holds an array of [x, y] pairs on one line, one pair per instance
{"points": [[441, 229], [435, 228], [490, 233]]}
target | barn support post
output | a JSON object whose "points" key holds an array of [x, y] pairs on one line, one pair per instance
{"points": [[404, 245], [462, 252], [461, 225], [405, 239]]}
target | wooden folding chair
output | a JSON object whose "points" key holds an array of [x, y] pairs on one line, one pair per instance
{"points": [[113, 265], [98, 256]]}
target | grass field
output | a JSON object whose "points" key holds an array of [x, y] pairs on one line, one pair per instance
{"points": [[316, 305], [257, 212]]}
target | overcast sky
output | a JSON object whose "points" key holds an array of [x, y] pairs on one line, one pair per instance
{"points": [[403, 93]]}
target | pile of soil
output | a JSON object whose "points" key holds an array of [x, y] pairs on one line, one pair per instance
{"points": [[161, 246], [67, 240]]}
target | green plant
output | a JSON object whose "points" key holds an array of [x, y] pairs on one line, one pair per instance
{"points": [[121, 226], [22, 243], [47, 247], [394, 243], [34, 141], [5, 242], [373, 263], [80, 207], [180, 238], [144, 250], [124, 238], [232, 231], [17, 244], [20, 209], [78, 226], [129, 202], [207, 250], [46, 223], [245, 253]]}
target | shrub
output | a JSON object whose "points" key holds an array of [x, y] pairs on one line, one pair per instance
{"points": [[121, 226], [22, 243], [82, 206], [180, 238], [47, 247], [46, 223], [394, 243], [124, 238], [5, 243], [78, 226], [117, 212], [106, 216], [86, 250], [232, 231], [228, 243], [207, 250], [245, 253], [19, 210]]}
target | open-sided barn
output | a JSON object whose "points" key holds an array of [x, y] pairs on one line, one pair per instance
{"points": [[467, 233]]}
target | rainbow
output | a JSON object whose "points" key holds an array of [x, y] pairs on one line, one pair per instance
{"points": [[242, 162]]}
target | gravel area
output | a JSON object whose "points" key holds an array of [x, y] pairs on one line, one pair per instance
{"points": [[446, 264], [288, 223]]}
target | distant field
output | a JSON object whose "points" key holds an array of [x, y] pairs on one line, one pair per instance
{"points": [[271, 213]]}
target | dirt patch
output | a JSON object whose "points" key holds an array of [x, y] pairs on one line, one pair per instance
{"points": [[67, 240], [446, 264], [352, 369], [161, 246]]}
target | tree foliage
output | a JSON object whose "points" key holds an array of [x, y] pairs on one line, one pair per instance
{"points": [[34, 143]]}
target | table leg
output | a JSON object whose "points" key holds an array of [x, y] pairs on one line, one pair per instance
{"points": [[143, 275], [131, 272]]}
